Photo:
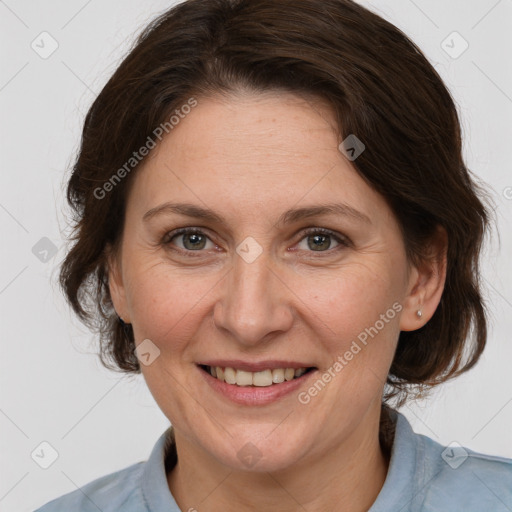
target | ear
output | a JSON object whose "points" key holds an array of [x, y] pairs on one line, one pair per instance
{"points": [[426, 283], [116, 284]]}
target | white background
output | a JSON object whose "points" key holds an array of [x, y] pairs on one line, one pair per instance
{"points": [[52, 386]]}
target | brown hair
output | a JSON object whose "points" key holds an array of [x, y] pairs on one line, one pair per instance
{"points": [[380, 87]]}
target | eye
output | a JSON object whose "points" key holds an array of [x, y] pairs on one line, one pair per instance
{"points": [[192, 239], [320, 240]]}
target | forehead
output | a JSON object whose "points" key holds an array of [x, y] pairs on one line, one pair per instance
{"points": [[251, 151]]}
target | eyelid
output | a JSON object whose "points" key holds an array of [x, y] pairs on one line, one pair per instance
{"points": [[324, 231]]}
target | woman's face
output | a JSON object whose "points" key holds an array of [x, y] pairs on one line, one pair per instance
{"points": [[259, 286]]}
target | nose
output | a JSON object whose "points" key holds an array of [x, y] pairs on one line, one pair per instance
{"points": [[255, 302]]}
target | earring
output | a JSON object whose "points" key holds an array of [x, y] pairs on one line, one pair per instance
{"points": [[419, 313]]}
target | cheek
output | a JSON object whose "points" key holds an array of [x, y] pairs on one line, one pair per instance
{"points": [[356, 317], [352, 303], [165, 306]]}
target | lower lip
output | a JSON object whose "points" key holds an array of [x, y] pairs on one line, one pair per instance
{"points": [[255, 395]]}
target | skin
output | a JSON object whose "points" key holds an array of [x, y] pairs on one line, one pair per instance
{"points": [[250, 157]]}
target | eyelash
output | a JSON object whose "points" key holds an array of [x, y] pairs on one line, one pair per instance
{"points": [[168, 237]]}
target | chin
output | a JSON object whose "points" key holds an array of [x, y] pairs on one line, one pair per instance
{"points": [[257, 451]]}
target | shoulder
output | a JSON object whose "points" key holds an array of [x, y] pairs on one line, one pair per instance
{"points": [[120, 490], [456, 478], [140, 487], [426, 476]]}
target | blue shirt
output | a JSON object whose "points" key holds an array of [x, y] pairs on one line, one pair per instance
{"points": [[423, 476]]}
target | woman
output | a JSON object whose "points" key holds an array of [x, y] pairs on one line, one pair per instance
{"points": [[276, 227]]}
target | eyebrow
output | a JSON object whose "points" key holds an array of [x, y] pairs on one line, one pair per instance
{"points": [[288, 217]]}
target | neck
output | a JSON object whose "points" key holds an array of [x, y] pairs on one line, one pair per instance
{"points": [[347, 478]]}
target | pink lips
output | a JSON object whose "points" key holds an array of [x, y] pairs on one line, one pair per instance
{"points": [[253, 395]]}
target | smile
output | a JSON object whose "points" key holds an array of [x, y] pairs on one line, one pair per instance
{"points": [[263, 378]]}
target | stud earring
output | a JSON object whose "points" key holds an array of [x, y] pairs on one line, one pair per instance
{"points": [[419, 313]]}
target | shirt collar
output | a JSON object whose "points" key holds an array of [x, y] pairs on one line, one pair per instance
{"points": [[155, 488], [397, 492]]}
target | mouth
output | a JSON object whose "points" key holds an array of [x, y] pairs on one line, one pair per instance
{"points": [[267, 377]]}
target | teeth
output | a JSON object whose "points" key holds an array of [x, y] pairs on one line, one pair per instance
{"points": [[264, 378], [278, 376], [289, 373], [229, 375], [243, 378]]}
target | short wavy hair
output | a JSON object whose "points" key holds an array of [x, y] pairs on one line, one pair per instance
{"points": [[380, 87]]}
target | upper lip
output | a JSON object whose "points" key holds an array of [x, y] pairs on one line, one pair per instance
{"points": [[254, 366]]}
